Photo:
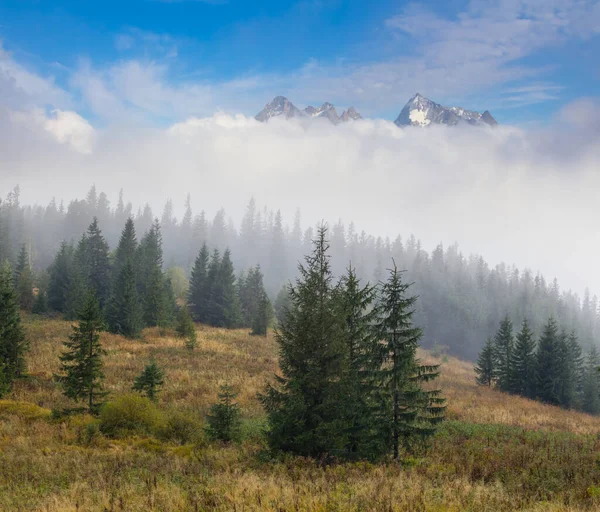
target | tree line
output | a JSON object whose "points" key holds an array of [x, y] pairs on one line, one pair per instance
{"points": [[350, 384], [463, 298], [552, 369]]}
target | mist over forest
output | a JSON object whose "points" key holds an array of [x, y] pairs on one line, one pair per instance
{"points": [[462, 297]]}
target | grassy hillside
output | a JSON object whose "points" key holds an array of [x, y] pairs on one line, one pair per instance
{"points": [[495, 452]]}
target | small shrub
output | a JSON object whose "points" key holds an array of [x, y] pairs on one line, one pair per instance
{"points": [[24, 410], [181, 428], [130, 414]]}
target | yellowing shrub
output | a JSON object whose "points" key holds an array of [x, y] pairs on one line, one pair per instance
{"points": [[130, 414]]}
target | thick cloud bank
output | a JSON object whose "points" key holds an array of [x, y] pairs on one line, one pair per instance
{"points": [[524, 197]]}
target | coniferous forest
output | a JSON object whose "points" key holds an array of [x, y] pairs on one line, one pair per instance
{"points": [[462, 299]]}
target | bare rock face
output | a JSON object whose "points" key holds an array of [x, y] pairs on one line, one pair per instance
{"points": [[421, 111], [280, 106]]}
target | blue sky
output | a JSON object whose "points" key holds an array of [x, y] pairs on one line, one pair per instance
{"points": [[163, 61]]}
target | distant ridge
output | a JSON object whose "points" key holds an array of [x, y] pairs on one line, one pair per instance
{"points": [[418, 111]]}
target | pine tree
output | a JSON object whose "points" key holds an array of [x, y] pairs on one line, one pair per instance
{"points": [[224, 305], [362, 345], [76, 293], [126, 250], [81, 372], [24, 281], [503, 347], [485, 365], [40, 305], [548, 364], [60, 276], [96, 263], [522, 377], [577, 367], [13, 343], [409, 412], [262, 315], [591, 383], [224, 417], [302, 406], [124, 311], [199, 292], [150, 381], [186, 328]]}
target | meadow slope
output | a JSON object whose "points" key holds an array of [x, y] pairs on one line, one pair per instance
{"points": [[494, 453]]}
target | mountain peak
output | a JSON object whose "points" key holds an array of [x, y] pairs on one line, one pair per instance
{"points": [[421, 111], [281, 106]]}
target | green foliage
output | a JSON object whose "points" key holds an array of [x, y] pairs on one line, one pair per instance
{"points": [[224, 417], [503, 347], [130, 414], [13, 342], [40, 304], [76, 293], [124, 310], [549, 365], [95, 263], [179, 282], [262, 315], [485, 365], [591, 383], [199, 291], [150, 381], [181, 428], [303, 404], [282, 303], [186, 328], [126, 249], [410, 412], [522, 371], [251, 294], [60, 275], [81, 372], [24, 280]]}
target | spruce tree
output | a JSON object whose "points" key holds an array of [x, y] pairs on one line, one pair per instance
{"points": [[40, 305], [199, 292], [126, 249], [212, 284], [548, 364], [150, 381], [224, 306], [60, 276], [81, 372], [522, 377], [124, 311], [591, 383], [224, 417], [485, 365], [24, 281], [409, 412], [503, 347], [96, 263], [358, 311], [13, 343], [76, 292], [262, 315], [251, 291], [186, 328], [302, 406]]}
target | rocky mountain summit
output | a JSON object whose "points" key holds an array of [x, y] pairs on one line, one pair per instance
{"points": [[281, 106]]}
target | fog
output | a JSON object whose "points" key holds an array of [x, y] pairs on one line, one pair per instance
{"points": [[523, 196]]}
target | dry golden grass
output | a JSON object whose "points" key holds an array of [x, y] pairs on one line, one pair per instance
{"points": [[497, 452]]}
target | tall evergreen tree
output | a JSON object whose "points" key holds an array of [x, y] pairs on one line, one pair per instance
{"points": [[96, 263], [262, 315], [150, 381], [126, 250], [60, 276], [76, 292], [81, 372], [591, 383], [522, 376], [251, 292], [186, 328], [485, 365], [199, 292], [124, 311], [13, 342], [503, 347], [24, 280], [358, 310], [224, 417], [409, 411], [224, 298], [548, 364], [302, 406]]}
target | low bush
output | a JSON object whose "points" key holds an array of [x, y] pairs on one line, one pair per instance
{"points": [[130, 414], [181, 428]]}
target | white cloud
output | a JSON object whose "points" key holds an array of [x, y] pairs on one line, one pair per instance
{"points": [[66, 127]]}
